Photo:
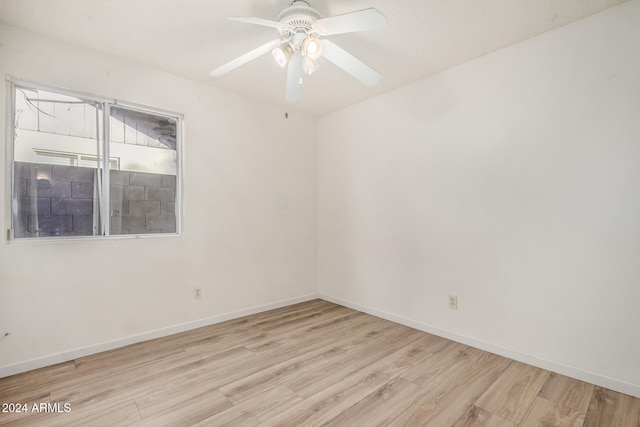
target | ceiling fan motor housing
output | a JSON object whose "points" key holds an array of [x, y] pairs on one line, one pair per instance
{"points": [[298, 18]]}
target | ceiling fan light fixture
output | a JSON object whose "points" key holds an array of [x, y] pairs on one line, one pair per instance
{"points": [[302, 30], [312, 47], [309, 65], [282, 54]]}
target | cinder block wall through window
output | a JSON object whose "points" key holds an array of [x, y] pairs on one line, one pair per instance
{"points": [[54, 200]]}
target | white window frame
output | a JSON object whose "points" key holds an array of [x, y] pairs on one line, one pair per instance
{"points": [[102, 134]]}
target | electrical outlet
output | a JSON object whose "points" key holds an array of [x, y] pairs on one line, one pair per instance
{"points": [[197, 293], [453, 302]]}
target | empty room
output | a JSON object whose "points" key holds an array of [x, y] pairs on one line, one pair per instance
{"points": [[322, 212]]}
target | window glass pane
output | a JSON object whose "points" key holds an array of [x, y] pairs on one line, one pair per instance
{"points": [[54, 192], [59, 185], [143, 188]]}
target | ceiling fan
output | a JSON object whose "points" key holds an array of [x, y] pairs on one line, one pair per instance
{"points": [[301, 44]]}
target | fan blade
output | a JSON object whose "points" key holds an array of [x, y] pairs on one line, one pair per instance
{"points": [[350, 63], [232, 65], [258, 21], [294, 74], [361, 20]]}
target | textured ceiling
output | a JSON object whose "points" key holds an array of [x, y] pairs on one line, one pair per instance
{"points": [[191, 37]]}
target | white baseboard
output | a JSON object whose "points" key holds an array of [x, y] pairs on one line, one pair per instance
{"points": [[65, 356], [550, 365]]}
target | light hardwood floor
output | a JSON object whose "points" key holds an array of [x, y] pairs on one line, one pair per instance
{"points": [[310, 364]]}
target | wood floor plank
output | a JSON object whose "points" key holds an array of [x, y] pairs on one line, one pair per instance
{"points": [[289, 343], [223, 372], [253, 412], [143, 377], [26, 398], [609, 408], [134, 354], [33, 383], [445, 361], [189, 410], [346, 391], [568, 392], [543, 412], [309, 364], [384, 343], [444, 404], [79, 381], [216, 341], [325, 405], [514, 391], [282, 324], [276, 342], [26, 415], [379, 407], [197, 384], [122, 414], [210, 374], [254, 384], [478, 417], [252, 323]]}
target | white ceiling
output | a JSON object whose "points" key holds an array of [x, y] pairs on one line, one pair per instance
{"points": [[191, 37]]}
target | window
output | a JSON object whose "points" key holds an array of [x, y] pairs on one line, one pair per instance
{"points": [[91, 167]]}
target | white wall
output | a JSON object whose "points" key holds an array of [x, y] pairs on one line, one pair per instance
{"points": [[249, 219], [511, 181]]}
